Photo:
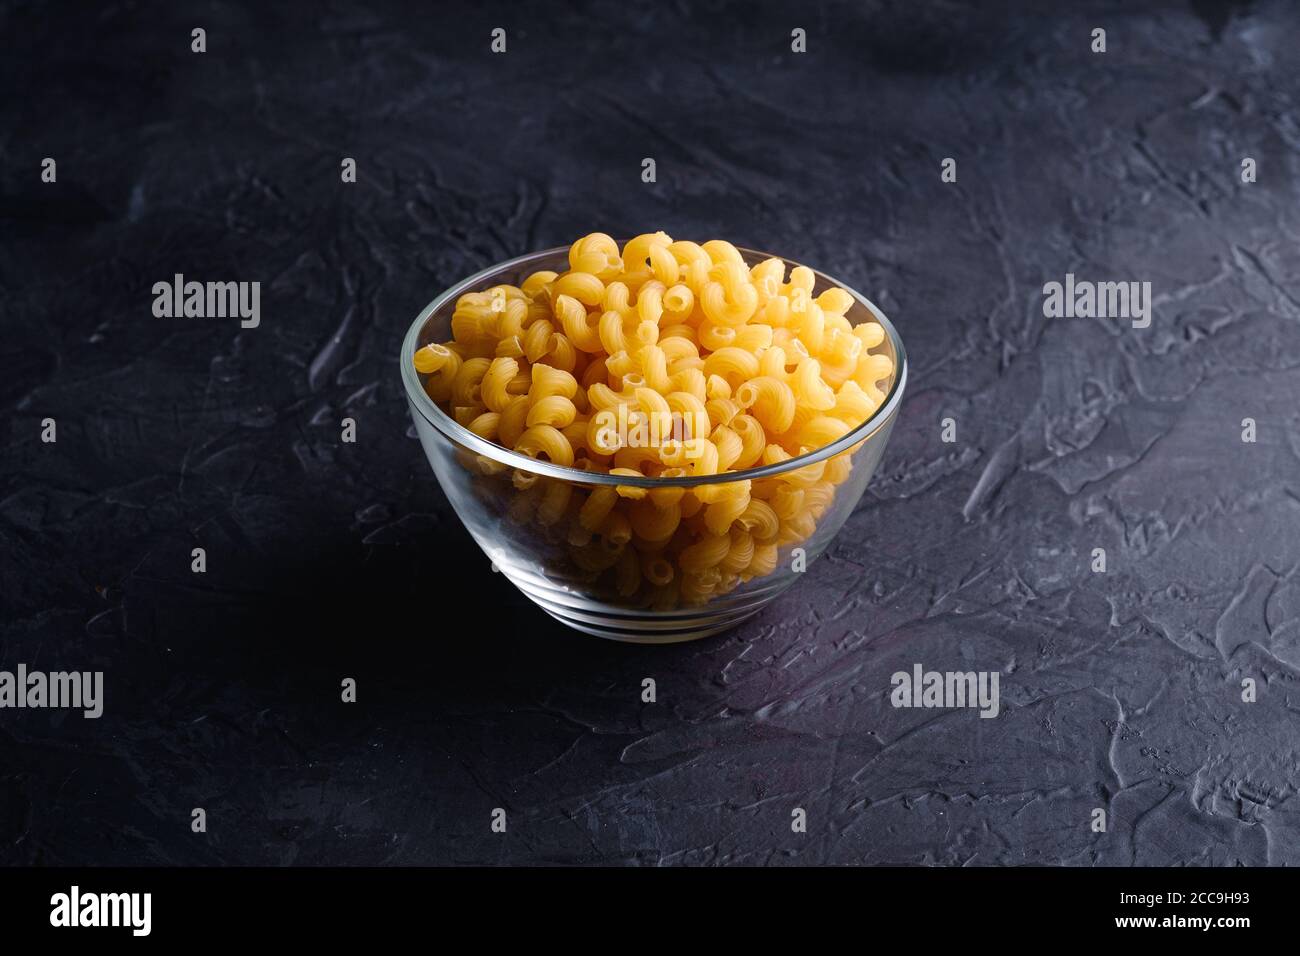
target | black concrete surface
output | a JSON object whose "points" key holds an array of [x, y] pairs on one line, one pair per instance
{"points": [[1120, 690]]}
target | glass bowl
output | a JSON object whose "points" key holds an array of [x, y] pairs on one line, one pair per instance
{"points": [[574, 576]]}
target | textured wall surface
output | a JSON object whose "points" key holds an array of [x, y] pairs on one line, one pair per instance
{"points": [[1120, 690]]}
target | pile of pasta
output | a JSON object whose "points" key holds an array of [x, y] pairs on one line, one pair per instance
{"points": [[666, 359]]}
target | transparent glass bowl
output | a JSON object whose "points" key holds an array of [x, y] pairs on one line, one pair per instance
{"points": [[483, 482]]}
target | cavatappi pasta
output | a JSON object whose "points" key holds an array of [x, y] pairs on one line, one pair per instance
{"points": [[664, 359]]}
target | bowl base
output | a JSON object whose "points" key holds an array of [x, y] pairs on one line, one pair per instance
{"points": [[627, 632], [637, 625]]}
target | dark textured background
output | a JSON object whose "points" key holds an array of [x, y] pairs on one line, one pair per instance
{"points": [[1120, 690]]}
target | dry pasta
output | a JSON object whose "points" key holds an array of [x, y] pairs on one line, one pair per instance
{"points": [[665, 359]]}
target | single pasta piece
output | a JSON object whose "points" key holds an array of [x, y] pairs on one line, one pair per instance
{"points": [[821, 430], [585, 287], [545, 440], [654, 522], [719, 516], [597, 507], [809, 388], [731, 363], [771, 401], [495, 385], [759, 520], [554, 410], [431, 358], [486, 425], [707, 552], [740, 555], [465, 388], [657, 569], [555, 502], [752, 439]]}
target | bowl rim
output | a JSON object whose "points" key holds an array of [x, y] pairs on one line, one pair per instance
{"points": [[453, 430]]}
